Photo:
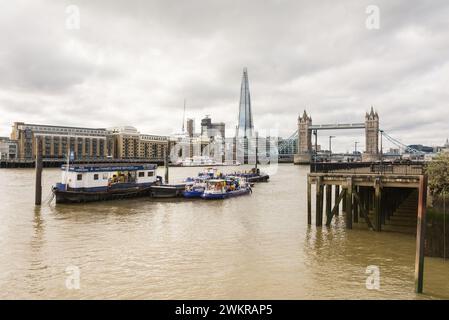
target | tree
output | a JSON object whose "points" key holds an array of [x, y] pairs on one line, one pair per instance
{"points": [[438, 173]]}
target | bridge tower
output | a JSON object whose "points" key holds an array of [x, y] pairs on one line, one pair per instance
{"points": [[371, 136], [304, 154]]}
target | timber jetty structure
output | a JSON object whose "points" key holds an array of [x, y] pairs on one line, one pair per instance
{"points": [[378, 195]]}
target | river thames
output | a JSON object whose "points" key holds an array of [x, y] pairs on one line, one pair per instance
{"points": [[251, 247]]}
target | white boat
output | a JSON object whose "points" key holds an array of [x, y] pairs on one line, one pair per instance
{"points": [[95, 182], [225, 188], [202, 161]]}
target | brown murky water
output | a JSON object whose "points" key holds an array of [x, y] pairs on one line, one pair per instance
{"points": [[256, 246]]}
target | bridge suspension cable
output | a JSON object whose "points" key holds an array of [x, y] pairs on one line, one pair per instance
{"points": [[400, 144], [288, 145]]}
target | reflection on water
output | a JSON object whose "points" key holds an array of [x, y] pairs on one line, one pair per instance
{"points": [[256, 246]]}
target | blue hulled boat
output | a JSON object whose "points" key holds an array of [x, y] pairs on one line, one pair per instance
{"points": [[223, 189]]}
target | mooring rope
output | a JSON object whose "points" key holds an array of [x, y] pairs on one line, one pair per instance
{"points": [[50, 197]]}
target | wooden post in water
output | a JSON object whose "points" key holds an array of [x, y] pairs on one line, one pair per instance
{"points": [[378, 205], [337, 193], [343, 207], [348, 202], [166, 163], [309, 201], [319, 202], [385, 205], [420, 234], [38, 165], [356, 208], [328, 200]]}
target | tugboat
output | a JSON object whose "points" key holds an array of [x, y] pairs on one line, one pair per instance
{"points": [[96, 182], [222, 189]]}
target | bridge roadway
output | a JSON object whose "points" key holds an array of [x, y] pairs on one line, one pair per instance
{"points": [[336, 126]]}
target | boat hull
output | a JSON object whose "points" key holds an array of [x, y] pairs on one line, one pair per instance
{"points": [[153, 191], [86, 196], [167, 191], [259, 178], [225, 195], [193, 194]]}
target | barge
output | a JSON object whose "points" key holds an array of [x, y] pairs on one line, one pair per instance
{"points": [[99, 182]]}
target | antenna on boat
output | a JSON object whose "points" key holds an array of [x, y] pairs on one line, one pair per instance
{"points": [[183, 116]]}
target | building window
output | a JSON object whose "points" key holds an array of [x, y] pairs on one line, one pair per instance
{"points": [[79, 177], [96, 176]]}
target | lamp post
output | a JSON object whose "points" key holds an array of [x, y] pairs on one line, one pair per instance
{"points": [[315, 133], [381, 150], [355, 148], [381, 146], [330, 147]]}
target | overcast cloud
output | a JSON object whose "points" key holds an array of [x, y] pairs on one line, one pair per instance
{"points": [[134, 62]]}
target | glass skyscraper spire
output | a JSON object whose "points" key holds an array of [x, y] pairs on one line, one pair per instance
{"points": [[245, 126]]}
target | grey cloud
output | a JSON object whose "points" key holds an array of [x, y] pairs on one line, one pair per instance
{"points": [[133, 62]]}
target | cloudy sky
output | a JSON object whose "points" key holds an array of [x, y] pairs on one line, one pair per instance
{"points": [[134, 62]]}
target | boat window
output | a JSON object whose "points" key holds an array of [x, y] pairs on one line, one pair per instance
{"points": [[96, 176], [79, 177], [150, 173], [105, 176], [141, 174]]}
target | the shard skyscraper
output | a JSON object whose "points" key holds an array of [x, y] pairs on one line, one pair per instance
{"points": [[245, 126]]}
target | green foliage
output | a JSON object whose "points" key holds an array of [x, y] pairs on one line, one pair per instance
{"points": [[438, 173]]}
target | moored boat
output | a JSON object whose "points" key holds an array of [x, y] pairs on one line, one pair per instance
{"points": [[96, 182], [223, 189], [195, 187], [202, 161], [253, 176]]}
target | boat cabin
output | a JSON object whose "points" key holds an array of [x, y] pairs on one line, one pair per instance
{"points": [[216, 185], [104, 176]]}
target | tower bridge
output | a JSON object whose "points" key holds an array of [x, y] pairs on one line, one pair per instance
{"points": [[306, 129]]}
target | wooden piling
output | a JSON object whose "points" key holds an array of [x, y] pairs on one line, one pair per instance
{"points": [[362, 209], [319, 203], [328, 200], [337, 193], [38, 166], [386, 205], [378, 205], [309, 201], [362, 203], [166, 160], [356, 208], [420, 235], [369, 199], [348, 213], [340, 198]]}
